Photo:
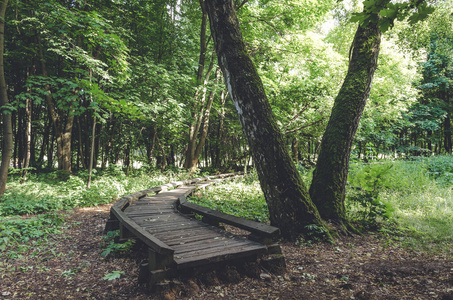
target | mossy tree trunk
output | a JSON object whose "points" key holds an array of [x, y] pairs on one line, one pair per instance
{"points": [[288, 200], [329, 178]]}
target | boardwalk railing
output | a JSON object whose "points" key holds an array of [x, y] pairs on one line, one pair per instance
{"points": [[158, 217]]}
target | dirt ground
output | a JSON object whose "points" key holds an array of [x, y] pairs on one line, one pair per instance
{"points": [[70, 266]]}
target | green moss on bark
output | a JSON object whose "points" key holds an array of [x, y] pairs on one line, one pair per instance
{"points": [[290, 206], [329, 178]]}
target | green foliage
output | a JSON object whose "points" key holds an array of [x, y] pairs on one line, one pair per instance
{"points": [[421, 207], [15, 231], [364, 204], [241, 197], [58, 190], [315, 233], [441, 169], [113, 275], [113, 248], [385, 12]]}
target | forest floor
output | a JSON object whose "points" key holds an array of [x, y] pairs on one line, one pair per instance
{"points": [[70, 266]]}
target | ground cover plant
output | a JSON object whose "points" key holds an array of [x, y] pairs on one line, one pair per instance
{"points": [[411, 200], [66, 254], [45, 192], [42, 195]]}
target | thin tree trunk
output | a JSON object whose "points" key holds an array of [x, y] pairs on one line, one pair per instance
{"points": [[82, 156], [447, 135], [289, 203], [50, 150], [329, 178], [45, 142], [90, 167], [66, 140], [205, 125], [93, 139], [28, 114], [220, 134], [164, 155], [7, 145], [201, 92]]}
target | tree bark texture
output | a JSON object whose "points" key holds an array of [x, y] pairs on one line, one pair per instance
{"points": [[7, 145], [200, 94], [62, 121], [288, 200], [28, 114], [329, 178]]}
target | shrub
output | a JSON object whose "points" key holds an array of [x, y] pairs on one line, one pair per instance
{"points": [[364, 202]]}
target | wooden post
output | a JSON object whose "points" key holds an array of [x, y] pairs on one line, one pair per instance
{"points": [[158, 261]]}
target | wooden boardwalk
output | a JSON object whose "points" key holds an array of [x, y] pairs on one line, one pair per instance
{"points": [[176, 240]]}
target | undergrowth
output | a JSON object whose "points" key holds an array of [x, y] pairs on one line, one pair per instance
{"points": [[28, 209], [413, 200], [241, 197], [22, 231], [56, 191], [410, 201]]}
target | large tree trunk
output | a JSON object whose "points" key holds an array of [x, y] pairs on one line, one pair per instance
{"points": [[329, 178], [7, 146], [288, 200]]}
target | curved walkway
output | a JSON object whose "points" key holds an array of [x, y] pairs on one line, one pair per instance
{"points": [[176, 240]]}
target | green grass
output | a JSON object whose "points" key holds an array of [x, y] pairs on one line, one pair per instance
{"points": [[416, 196], [42, 193], [241, 197], [421, 197]]}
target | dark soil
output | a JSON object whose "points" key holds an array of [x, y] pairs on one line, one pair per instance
{"points": [[70, 266]]}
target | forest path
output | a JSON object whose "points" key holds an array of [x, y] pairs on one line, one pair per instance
{"points": [[176, 240]]}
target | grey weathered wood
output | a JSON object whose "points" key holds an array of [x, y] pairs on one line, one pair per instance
{"points": [[176, 241], [252, 226], [203, 259], [140, 233]]}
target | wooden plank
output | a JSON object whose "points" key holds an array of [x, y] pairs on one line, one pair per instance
{"points": [[249, 225], [189, 239], [151, 214], [182, 233], [217, 244], [146, 237], [155, 218], [229, 250], [210, 257], [170, 223], [171, 228], [167, 196], [152, 202], [150, 208]]}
